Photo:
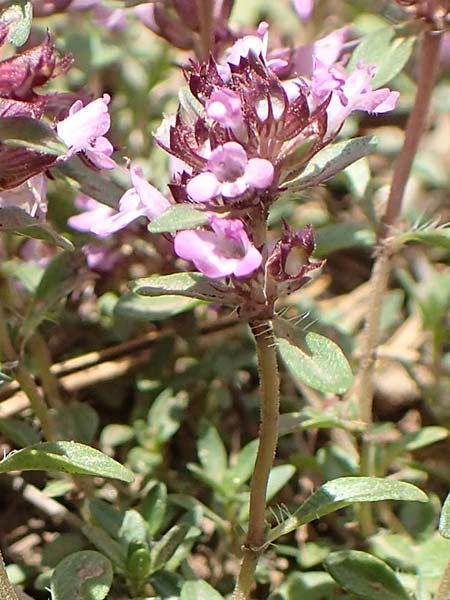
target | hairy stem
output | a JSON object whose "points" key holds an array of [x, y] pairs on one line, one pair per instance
{"points": [[443, 590], [6, 589], [268, 437], [25, 380], [429, 60]]}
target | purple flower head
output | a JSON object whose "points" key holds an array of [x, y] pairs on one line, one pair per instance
{"points": [[230, 174], [141, 200], [222, 251], [289, 262], [94, 214], [83, 131], [356, 94], [30, 196]]}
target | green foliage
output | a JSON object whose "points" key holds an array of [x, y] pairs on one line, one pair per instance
{"points": [[178, 217], [330, 161], [388, 49], [316, 361], [364, 575], [67, 457], [85, 575]]}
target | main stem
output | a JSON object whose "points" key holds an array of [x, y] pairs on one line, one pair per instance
{"points": [[268, 437], [429, 60], [6, 589]]}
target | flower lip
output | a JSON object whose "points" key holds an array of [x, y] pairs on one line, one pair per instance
{"points": [[223, 250], [230, 174]]}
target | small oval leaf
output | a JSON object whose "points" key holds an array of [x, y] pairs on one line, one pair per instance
{"points": [[144, 308], [191, 285], [85, 575], [332, 160], [317, 362], [199, 590], [444, 519], [365, 575], [68, 457]]}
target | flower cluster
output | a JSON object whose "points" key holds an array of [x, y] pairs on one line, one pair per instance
{"points": [[80, 128], [253, 120]]}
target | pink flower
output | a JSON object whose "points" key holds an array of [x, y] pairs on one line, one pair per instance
{"points": [[356, 94], [94, 214], [230, 173], [303, 8], [30, 196], [142, 200], [226, 250], [225, 107], [83, 131]]}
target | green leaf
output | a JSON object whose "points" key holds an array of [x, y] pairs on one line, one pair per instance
{"points": [[133, 529], [18, 431], [199, 590], [139, 563], [315, 361], [16, 220], [85, 575], [164, 548], [26, 132], [116, 434], [278, 478], [358, 177], [310, 585], [444, 519], [95, 184], [241, 472], [154, 507], [439, 237], [191, 285], [211, 452], [106, 544], [144, 308], [18, 17], [315, 419], [424, 437], [59, 279], [344, 491], [341, 236], [387, 49], [365, 575], [68, 457], [331, 160], [175, 218], [166, 413], [77, 421]]}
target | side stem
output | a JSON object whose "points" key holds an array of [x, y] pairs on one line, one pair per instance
{"points": [[380, 274], [429, 60], [443, 590], [6, 589], [268, 438], [205, 12]]}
